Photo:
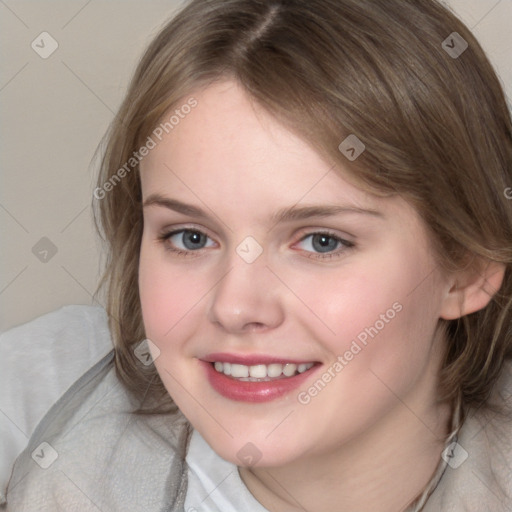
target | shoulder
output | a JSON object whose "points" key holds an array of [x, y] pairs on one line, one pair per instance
{"points": [[40, 360], [59, 320], [56, 344], [479, 471], [90, 451]]}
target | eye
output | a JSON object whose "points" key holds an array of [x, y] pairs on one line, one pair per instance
{"points": [[325, 245], [186, 240]]}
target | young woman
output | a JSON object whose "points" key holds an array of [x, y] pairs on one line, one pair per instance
{"points": [[309, 276]]}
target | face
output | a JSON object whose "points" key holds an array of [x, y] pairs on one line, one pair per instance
{"points": [[283, 300]]}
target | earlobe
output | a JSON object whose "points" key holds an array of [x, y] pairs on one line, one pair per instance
{"points": [[472, 290]]}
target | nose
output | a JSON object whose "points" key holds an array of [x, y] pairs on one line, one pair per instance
{"points": [[247, 298]]}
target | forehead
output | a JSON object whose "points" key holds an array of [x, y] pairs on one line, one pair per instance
{"points": [[229, 153], [228, 131]]}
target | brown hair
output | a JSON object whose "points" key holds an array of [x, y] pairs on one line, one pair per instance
{"points": [[436, 128]]}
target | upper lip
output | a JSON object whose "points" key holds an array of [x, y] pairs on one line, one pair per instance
{"points": [[252, 359]]}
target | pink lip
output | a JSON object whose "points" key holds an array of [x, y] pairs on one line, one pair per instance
{"points": [[255, 392]]}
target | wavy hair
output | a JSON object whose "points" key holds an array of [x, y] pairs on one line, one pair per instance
{"points": [[436, 127]]}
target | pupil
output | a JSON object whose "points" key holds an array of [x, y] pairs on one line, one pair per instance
{"points": [[193, 239], [323, 243]]}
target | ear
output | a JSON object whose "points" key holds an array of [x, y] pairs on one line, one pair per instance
{"points": [[472, 289]]}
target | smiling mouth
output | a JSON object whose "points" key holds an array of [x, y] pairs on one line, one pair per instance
{"points": [[261, 372]]}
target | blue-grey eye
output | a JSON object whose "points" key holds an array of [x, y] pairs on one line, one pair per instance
{"points": [[190, 240], [322, 243]]}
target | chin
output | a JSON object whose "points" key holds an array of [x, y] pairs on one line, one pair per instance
{"points": [[253, 451]]}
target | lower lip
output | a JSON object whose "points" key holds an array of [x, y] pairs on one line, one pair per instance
{"points": [[246, 391]]}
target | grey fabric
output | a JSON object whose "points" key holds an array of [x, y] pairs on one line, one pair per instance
{"points": [[483, 480], [39, 361], [112, 460], [107, 458]]}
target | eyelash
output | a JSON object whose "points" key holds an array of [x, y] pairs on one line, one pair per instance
{"points": [[164, 239]]}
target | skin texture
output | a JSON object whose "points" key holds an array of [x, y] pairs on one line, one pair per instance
{"points": [[377, 421]]}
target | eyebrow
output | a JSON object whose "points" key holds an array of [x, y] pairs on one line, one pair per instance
{"points": [[293, 213]]}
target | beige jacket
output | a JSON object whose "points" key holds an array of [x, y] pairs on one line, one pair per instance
{"points": [[91, 453]]}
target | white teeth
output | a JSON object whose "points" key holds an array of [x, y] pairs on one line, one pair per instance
{"points": [[274, 370], [239, 370], [261, 371], [289, 369]]}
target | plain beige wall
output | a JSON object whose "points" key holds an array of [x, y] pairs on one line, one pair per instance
{"points": [[54, 112]]}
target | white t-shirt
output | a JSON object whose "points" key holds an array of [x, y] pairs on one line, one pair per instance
{"points": [[214, 485]]}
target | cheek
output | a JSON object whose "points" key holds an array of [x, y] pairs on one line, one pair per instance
{"points": [[170, 297], [343, 303], [382, 314], [382, 342], [169, 293]]}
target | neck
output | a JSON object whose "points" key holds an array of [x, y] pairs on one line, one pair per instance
{"points": [[384, 468]]}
